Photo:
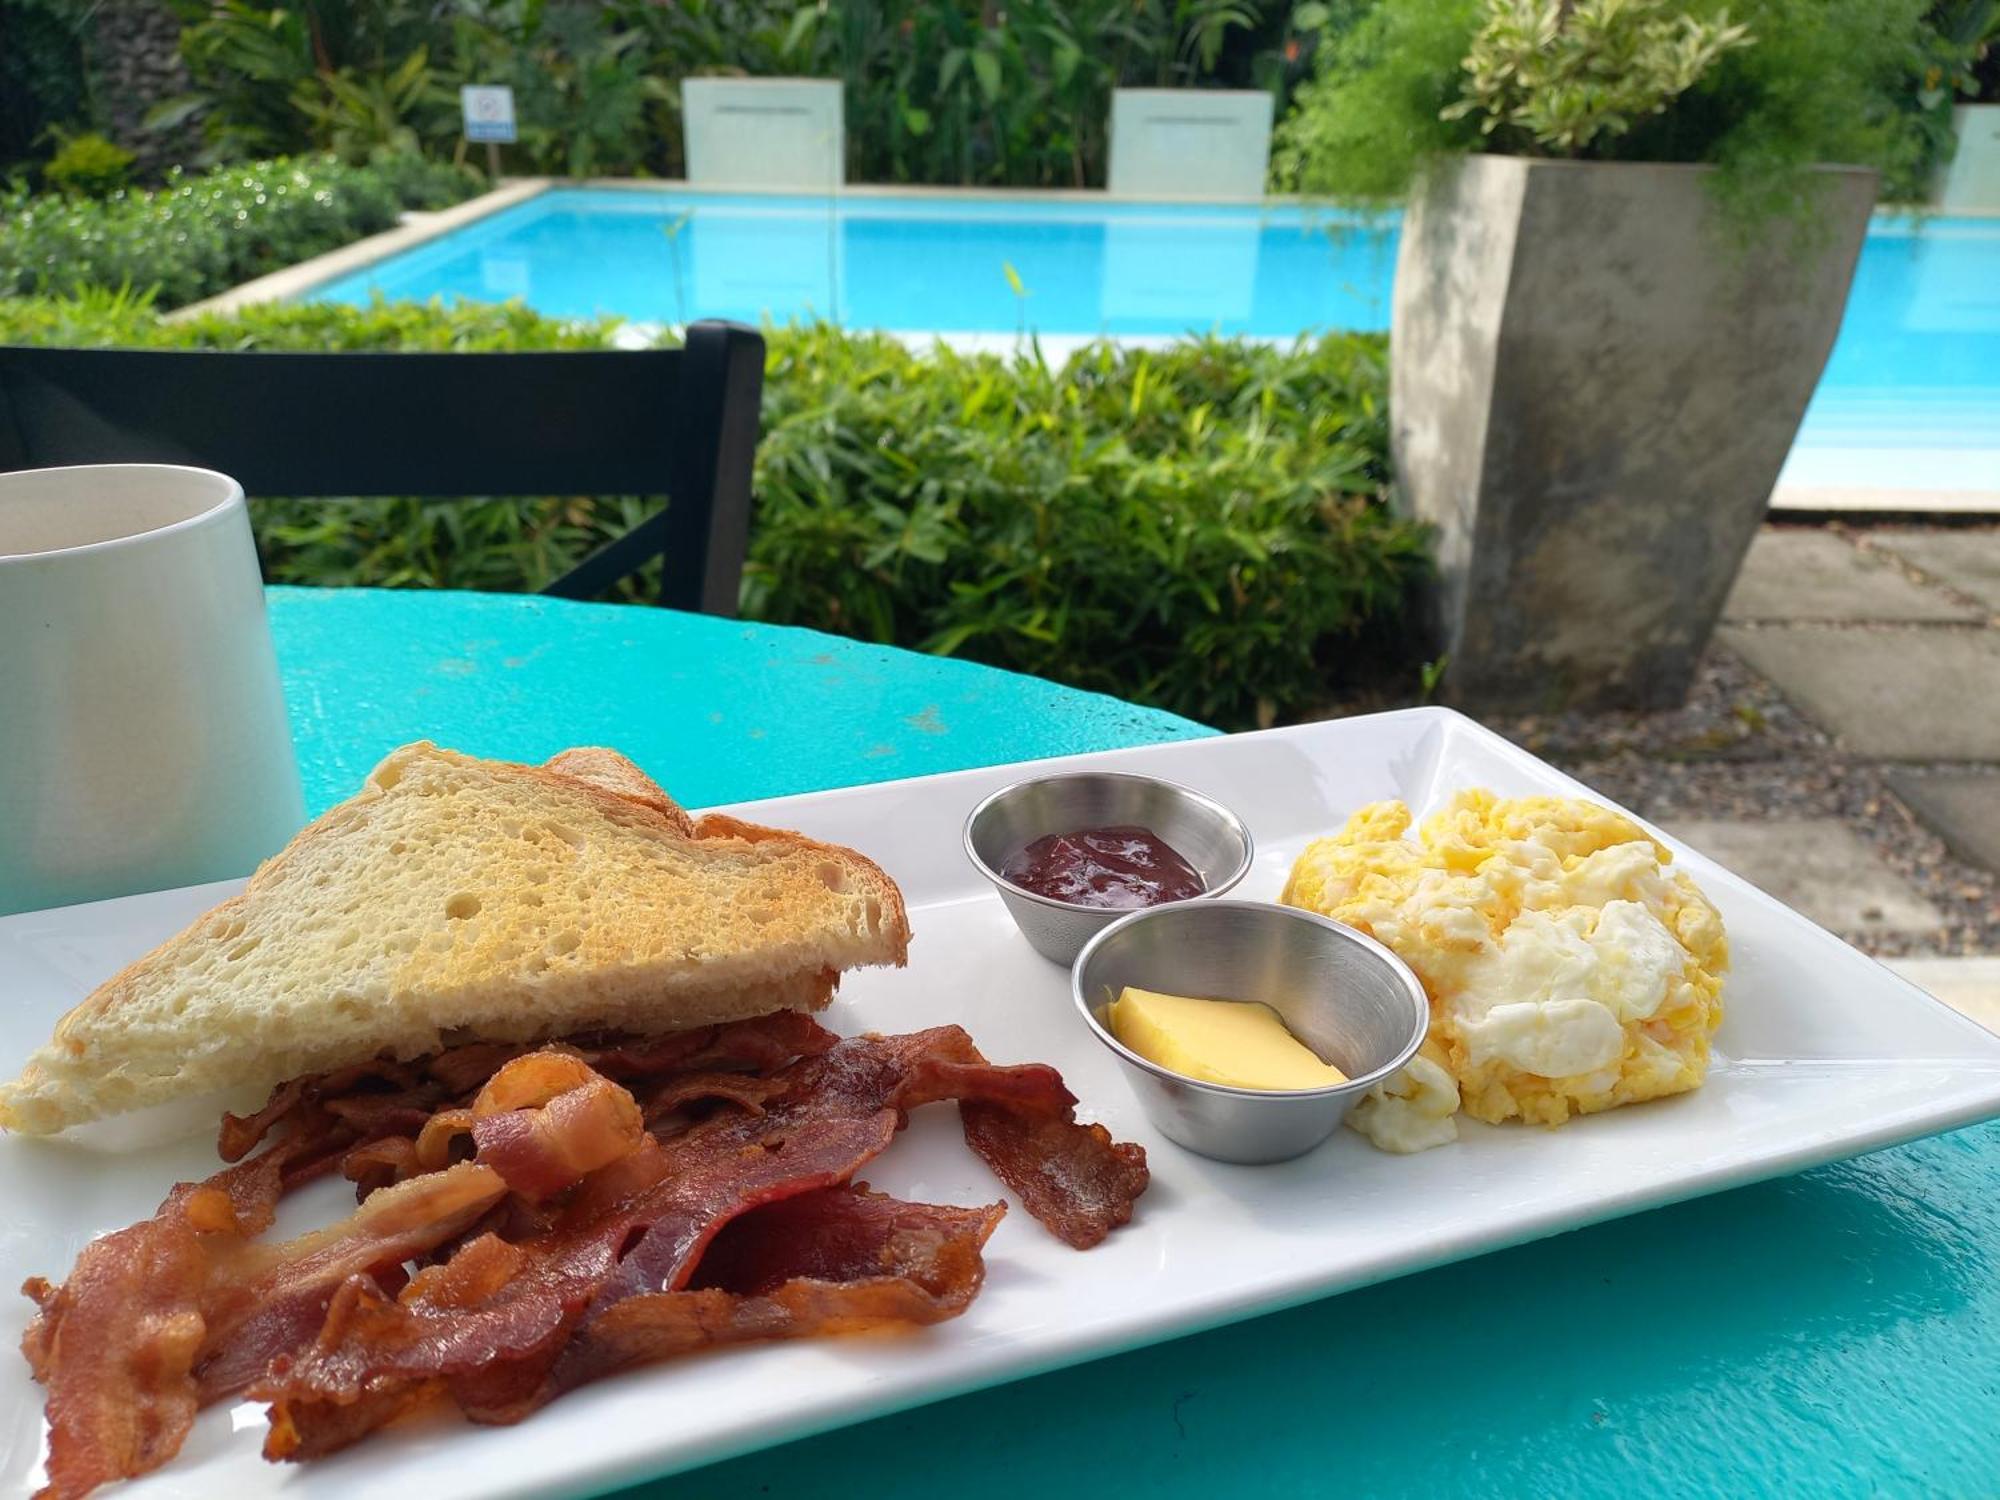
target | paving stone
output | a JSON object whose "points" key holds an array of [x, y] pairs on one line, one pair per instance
{"points": [[1962, 808], [1970, 986], [1816, 575], [1818, 866], [1968, 561], [1921, 693]]}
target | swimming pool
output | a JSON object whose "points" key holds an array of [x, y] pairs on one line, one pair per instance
{"points": [[935, 263], [1910, 399]]}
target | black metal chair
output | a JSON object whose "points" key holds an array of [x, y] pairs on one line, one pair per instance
{"points": [[680, 423]]}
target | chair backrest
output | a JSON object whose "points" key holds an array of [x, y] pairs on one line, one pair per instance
{"points": [[680, 423]]}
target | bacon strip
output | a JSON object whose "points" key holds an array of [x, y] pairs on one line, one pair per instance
{"points": [[747, 1091], [1078, 1182], [506, 1357], [501, 1355], [761, 1044], [375, 1098], [592, 1230], [262, 1301], [846, 1234], [241, 1133], [834, 1261], [537, 1336], [116, 1345], [365, 1091], [1074, 1178], [463, 1069], [117, 1342], [837, 1261], [161, 1318], [439, 1135], [393, 1158], [554, 1142]]}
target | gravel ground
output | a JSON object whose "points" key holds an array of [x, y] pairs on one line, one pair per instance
{"points": [[1731, 716], [1737, 749]]}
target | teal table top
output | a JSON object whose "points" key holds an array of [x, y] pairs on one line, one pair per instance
{"points": [[1835, 1333], [714, 710]]}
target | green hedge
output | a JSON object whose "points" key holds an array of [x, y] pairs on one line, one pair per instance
{"points": [[1198, 528], [198, 235]]}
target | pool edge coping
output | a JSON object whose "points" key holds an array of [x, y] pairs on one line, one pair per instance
{"points": [[415, 229], [1882, 500]]}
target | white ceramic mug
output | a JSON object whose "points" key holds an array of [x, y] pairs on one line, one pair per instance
{"points": [[143, 736]]}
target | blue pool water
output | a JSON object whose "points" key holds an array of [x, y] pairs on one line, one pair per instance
{"points": [[926, 264], [1916, 369], [1911, 394]]}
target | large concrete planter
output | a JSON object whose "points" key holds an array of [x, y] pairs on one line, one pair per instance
{"points": [[1592, 391]]}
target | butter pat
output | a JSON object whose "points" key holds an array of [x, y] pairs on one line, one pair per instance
{"points": [[1241, 1043]]}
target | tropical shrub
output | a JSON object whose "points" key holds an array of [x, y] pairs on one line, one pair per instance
{"points": [[1962, 52], [948, 93], [425, 183], [944, 92], [196, 235], [585, 93], [88, 165], [350, 76], [937, 90], [1762, 88], [1200, 528]]}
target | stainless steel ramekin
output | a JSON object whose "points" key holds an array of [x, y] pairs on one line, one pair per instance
{"points": [[1339, 991], [1207, 835]]}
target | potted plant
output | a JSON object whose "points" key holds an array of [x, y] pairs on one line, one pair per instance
{"points": [[1624, 260]]}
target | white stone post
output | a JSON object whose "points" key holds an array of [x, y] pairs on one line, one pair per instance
{"points": [[1971, 182], [770, 133], [1204, 144]]}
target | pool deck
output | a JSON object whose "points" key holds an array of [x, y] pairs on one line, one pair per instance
{"points": [[1861, 488], [1854, 501]]}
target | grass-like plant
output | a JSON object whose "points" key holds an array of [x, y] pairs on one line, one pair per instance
{"points": [[1760, 88]]}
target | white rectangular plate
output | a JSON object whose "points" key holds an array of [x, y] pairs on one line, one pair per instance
{"points": [[1824, 1054]]}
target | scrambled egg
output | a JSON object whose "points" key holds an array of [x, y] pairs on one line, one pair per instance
{"points": [[1568, 970]]}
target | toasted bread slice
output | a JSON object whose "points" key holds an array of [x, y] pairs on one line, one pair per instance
{"points": [[456, 898]]}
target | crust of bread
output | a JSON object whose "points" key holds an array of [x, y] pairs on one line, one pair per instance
{"points": [[664, 922], [607, 770], [896, 916]]}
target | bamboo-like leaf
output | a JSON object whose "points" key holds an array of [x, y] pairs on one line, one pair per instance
{"points": [[986, 68]]}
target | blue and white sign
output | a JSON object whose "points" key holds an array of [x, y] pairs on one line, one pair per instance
{"points": [[489, 112]]}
